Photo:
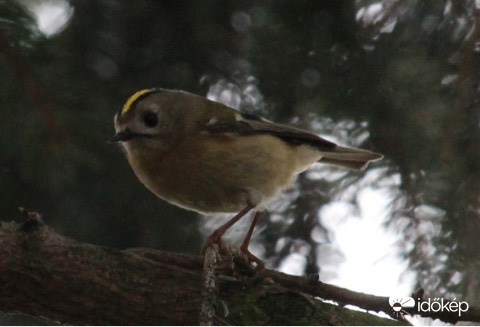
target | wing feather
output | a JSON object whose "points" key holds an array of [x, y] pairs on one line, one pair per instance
{"points": [[248, 124]]}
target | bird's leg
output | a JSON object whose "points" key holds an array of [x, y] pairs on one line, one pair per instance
{"points": [[216, 236], [246, 241]]}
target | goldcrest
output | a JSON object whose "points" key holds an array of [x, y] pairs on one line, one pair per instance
{"points": [[204, 156]]}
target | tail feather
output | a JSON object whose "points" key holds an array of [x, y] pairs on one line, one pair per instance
{"points": [[352, 158]]}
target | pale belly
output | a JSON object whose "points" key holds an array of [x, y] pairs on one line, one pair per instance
{"points": [[222, 174]]}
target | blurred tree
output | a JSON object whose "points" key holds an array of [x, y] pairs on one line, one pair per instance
{"points": [[397, 76]]}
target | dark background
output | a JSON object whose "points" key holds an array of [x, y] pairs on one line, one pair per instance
{"points": [[397, 77]]}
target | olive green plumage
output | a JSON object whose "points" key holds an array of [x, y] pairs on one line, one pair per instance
{"points": [[204, 156]]}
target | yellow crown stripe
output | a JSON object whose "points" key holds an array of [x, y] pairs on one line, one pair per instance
{"points": [[133, 98]]}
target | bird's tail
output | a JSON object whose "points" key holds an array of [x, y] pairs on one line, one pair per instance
{"points": [[352, 158]]}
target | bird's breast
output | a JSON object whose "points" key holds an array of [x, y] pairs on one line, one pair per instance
{"points": [[218, 173]]}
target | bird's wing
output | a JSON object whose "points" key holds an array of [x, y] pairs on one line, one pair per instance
{"points": [[248, 124]]}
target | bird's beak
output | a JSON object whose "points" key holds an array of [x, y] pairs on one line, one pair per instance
{"points": [[121, 137]]}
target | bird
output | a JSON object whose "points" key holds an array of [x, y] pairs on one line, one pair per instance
{"points": [[204, 156]]}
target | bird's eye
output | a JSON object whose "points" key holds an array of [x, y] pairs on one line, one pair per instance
{"points": [[150, 119]]}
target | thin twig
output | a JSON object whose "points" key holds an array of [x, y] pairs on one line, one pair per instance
{"points": [[209, 286], [365, 301], [312, 286]]}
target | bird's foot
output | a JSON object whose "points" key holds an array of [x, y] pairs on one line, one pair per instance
{"points": [[259, 264]]}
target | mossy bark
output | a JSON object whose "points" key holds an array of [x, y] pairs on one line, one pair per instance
{"points": [[47, 275]]}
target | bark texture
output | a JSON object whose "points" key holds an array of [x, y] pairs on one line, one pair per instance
{"points": [[47, 275]]}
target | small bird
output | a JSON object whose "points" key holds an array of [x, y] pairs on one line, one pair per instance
{"points": [[204, 156]]}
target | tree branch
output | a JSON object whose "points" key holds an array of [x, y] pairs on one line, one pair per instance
{"points": [[45, 274]]}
